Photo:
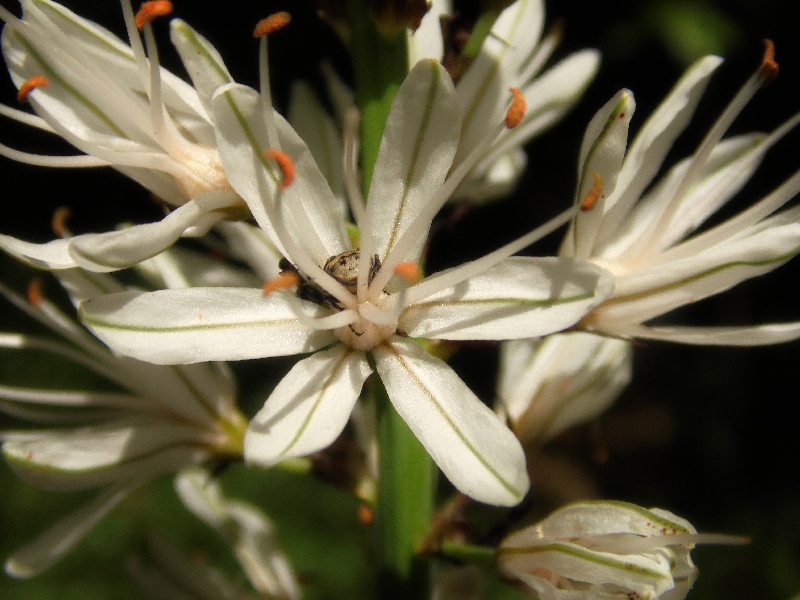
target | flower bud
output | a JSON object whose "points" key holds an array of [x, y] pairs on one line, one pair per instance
{"points": [[605, 549], [548, 385]]}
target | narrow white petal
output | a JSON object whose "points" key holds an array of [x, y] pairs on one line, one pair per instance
{"points": [[120, 249], [655, 138], [310, 208], [416, 152], [98, 455], [309, 408], [252, 246], [202, 324], [602, 152], [520, 297], [52, 255], [476, 452], [201, 60], [754, 335], [59, 539]]}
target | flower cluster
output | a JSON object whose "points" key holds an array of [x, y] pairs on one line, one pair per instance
{"points": [[295, 256]]}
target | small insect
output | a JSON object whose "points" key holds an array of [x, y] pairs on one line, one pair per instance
{"points": [[342, 267]]}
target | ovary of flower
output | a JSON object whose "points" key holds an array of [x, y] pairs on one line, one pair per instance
{"points": [[358, 307], [645, 233]]}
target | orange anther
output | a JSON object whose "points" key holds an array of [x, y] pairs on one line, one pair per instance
{"points": [[152, 10], [365, 515], [271, 24], [59, 221], [410, 271], [516, 112], [284, 280], [35, 292], [769, 68], [285, 164], [29, 85], [593, 195]]}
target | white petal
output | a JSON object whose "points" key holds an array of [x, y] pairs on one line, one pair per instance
{"points": [[416, 152], [520, 297], [602, 153], [52, 255], [309, 408], [201, 60], [120, 249], [242, 139], [548, 385], [252, 246], [97, 455], [202, 324], [655, 139], [59, 539], [476, 452], [755, 335], [653, 291]]}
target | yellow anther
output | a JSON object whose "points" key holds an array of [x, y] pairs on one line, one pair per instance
{"points": [[285, 164], [284, 280], [768, 70], [35, 292], [271, 24], [593, 195], [152, 10], [410, 271], [516, 112], [59, 221], [31, 84]]}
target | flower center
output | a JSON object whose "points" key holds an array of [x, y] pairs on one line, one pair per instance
{"points": [[375, 323]]}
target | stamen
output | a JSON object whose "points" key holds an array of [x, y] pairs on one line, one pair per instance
{"points": [[35, 292], [284, 280], [593, 195], [410, 271], [31, 84], [285, 164], [769, 68], [152, 10], [271, 24], [59, 221], [516, 112]]}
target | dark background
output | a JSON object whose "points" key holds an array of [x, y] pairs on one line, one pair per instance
{"points": [[709, 433]]}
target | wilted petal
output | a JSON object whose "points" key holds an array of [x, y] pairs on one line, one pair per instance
{"points": [[202, 324], [309, 408], [59, 539], [476, 452], [518, 298], [245, 528]]}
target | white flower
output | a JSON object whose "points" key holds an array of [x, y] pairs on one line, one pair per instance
{"points": [[646, 233], [245, 529], [512, 56], [166, 418], [604, 550], [355, 302], [550, 384], [122, 110]]}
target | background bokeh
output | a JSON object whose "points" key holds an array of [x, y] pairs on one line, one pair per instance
{"points": [[708, 433]]}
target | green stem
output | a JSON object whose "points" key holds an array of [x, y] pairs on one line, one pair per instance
{"points": [[405, 504], [467, 553], [380, 65]]}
